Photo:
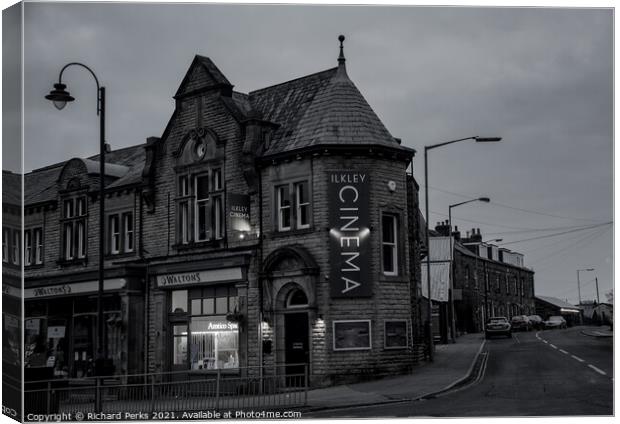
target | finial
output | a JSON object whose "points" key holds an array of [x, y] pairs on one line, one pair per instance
{"points": [[341, 58]]}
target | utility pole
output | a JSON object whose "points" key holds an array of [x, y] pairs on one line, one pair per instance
{"points": [[598, 299]]}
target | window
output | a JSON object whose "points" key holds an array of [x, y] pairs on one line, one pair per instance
{"points": [[179, 301], [128, 232], [38, 245], [395, 334], [121, 234], [74, 228], [507, 284], [389, 244], [302, 202], [27, 248], [284, 208], [115, 234], [201, 207], [214, 339], [6, 238], [16, 247], [293, 206]]}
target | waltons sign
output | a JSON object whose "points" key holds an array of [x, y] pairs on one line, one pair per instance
{"points": [[349, 234]]}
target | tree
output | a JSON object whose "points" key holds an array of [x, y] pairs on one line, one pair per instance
{"points": [[610, 296]]}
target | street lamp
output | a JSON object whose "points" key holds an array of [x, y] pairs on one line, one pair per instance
{"points": [[60, 97], [493, 241], [451, 274], [578, 284], [428, 254]]}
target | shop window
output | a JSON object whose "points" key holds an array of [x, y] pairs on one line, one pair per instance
{"points": [[395, 334], [120, 233], [214, 339], [201, 207], [293, 206], [179, 344], [74, 228], [179, 301], [6, 237], [389, 244]]}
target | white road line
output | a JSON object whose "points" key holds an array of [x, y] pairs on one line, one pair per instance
{"points": [[552, 345], [563, 351], [598, 370], [577, 358], [545, 341]]}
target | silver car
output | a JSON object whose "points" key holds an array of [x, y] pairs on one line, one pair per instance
{"points": [[497, 326], [555, 321]]}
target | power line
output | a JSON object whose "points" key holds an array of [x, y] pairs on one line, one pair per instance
{"points": [[556, 234], [589, 237], [503, 205], [534, 230]]}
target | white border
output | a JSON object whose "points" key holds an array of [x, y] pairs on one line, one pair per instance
{"points": [[352, 348], [385, 321]]}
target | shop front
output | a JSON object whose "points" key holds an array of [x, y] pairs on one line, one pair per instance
{"points": [[60, 338], [205, 318]]}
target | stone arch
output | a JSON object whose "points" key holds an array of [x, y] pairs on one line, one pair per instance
{"points": [[286, 291], [293, 258], [186, 153]]}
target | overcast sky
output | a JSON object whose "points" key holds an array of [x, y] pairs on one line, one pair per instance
{"points": [[540, 78]]}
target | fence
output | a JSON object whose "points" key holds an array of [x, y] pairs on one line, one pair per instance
{"points": [[273, 388]]}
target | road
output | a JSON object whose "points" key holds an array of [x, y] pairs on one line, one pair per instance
{"points": [[546, 373]]}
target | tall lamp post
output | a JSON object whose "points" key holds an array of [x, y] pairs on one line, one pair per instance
{"points": [[451, 274], [578, 283], [428, 255], [60, 97]]}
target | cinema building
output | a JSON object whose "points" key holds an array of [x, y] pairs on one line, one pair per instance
{"points": [[260, 229]]}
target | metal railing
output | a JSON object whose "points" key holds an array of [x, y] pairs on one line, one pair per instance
{"points": [[276, 387]]}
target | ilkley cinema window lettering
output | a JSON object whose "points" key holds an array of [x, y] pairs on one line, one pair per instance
{"points": [[293, 206], [74, 228], [200, 207]]}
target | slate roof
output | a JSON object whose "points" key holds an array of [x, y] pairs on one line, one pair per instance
{"points": [[11, 188], [556, 302], [126, 164], [325, 108]]}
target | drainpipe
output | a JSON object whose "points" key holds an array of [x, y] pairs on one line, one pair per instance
{"points": [[260, 276]]}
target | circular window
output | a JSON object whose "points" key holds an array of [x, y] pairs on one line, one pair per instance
{"points": [[297, 299]]}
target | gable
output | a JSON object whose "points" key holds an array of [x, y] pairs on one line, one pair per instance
{"points": [[201, 75]]}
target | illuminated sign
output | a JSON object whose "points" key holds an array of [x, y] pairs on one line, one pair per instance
{"points": [[239, 214], [349, 234]]}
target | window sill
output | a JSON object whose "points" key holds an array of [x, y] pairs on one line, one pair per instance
{"points": [[199, 244], [292, 232], [72, 262], [119, 255], [33, 266], [400, 278]]}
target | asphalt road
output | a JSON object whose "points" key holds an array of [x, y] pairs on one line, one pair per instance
{"points": [[570, 374]]}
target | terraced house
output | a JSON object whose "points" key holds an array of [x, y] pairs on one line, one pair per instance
{"points": [[261, 229]]}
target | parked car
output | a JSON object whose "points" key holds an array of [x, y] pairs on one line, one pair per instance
{"points": [[497, 326], [520, 322], [555, 321], [537, 322]]}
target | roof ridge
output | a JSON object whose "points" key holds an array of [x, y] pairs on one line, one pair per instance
{"points": [[293, 80]]}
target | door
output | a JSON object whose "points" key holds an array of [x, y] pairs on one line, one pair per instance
{"points": [[297, 349]]}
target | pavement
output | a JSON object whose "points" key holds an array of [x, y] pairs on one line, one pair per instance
{"points": [[452, 364], [598, 332]]}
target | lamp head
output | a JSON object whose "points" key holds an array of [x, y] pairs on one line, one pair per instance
{"points": [[59, 96], [487, 139], [484, 199]]}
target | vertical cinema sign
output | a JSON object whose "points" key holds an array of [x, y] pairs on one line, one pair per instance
{"points": [[349, 234]]}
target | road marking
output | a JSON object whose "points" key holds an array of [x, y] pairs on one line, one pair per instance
{"points": [[517, 338], [598, 370], [563, 351], [577, 358], [545, 341], [552, 345]]}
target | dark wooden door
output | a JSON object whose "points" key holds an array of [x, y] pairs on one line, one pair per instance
{"points": [[297, 349]]}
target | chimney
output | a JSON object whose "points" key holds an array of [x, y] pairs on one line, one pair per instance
{"points": [[443, 229], [456, 233]]}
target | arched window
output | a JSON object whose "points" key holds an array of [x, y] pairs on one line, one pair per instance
{"points": [[297, 299]]}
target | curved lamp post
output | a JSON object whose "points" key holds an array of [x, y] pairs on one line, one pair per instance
{"points": [[451, 291], [60, 97], [428, 258]]}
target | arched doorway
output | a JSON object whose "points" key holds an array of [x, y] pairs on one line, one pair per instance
{"points": [[296, 337]]}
